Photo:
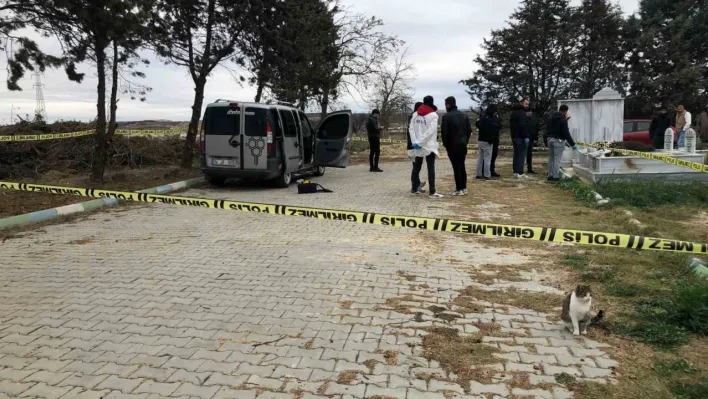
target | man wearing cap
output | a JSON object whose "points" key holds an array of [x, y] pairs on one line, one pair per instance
{"points": [[374, 132], [424, 143]]}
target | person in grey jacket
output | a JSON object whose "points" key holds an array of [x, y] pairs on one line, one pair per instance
{"points": [[373, 130], [456, 132]]}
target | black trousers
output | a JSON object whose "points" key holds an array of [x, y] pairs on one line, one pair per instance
{"points": [[495, 152], [374, 152], [457, 155], [529, 155], [415, 176]]}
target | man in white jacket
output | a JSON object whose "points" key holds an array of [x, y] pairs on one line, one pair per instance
{"points": [[424, 139]]}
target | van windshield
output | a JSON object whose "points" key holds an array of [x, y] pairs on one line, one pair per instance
{"points": [[255, 122], [222, 121]]}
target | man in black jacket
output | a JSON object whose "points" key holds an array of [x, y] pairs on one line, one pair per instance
{"points": [[558, 136], [519, 136], [489, 125], [456, 131], [533, 127], [373, 130], [658, 127]]}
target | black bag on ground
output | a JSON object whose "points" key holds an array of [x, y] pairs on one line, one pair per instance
{"points": [[311, 188]]}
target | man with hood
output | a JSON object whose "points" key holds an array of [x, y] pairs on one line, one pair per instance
{"points": [[658, 126], [423, 131], [519, 136], [702, 125], [374, 132], [456, 132], [409, 146], [558, 136]]}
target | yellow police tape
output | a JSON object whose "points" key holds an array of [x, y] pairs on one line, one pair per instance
{"points": [[699, 167], [545, 234], [56, 136], [469, 146]]}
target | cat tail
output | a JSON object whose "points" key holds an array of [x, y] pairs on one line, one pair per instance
{"points": [[598, 318]]}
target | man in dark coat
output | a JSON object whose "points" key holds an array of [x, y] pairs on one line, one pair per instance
{"points": [[373, 130], [659, 124], [533, 126], [456, 132], [519, 136]]}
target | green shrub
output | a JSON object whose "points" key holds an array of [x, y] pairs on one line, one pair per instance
{"points": [[690, 308], [653, 193], [691, 391], [582, 191], [624, 290], [674, 366], [661, 335]]}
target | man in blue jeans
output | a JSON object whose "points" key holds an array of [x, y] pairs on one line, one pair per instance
{"points": [[558, 137], [683, 123], [519, 124]]}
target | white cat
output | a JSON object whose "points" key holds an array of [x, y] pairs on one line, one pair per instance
{"points": [[577, 313]]}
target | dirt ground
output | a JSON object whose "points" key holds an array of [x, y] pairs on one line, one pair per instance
{"points": [[14, 203]]}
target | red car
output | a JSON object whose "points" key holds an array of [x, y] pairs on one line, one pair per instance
{"points": [[638, 130]]}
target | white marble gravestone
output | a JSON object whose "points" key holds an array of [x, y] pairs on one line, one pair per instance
{"points": [[600, 118], [690, 141], [669, 140]]}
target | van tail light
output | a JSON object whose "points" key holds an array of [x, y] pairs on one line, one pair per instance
{"points": [[269, 137], [202, 140]]}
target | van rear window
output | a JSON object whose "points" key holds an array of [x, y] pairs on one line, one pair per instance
{"points": [[222, 121], [256, 122]]}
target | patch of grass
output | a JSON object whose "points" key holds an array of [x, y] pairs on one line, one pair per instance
{"points": [[565, 379], [582, 191], [458, 354], [405, 275], [538, 301], [619, 289], [665, 336], [391, 357], [371, 365], [346, 304], [653, 193], [577, 261], [691, 391], [348, 377], [674, 366]]}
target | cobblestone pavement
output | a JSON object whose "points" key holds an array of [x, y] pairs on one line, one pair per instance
{"points": [[165, 301]]}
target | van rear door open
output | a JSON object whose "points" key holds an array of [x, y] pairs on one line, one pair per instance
{"points": [[222, 136], [334, 140]]}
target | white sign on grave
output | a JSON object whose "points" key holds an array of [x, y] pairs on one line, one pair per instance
{"points": [[690, 141], [669, 140]]}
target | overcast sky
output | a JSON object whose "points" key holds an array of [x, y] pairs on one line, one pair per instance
{"points": [[444, 36]]}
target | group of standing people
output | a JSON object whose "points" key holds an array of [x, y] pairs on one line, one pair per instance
{"points": [[662, 122], [456, 132]]}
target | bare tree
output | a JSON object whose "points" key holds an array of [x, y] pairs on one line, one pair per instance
{"points": [[360, 46], [391, 90]]}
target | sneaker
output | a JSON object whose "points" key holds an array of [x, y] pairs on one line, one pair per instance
{"points": [[436, 196], [377, 170], [464, 192], [456, 193], [518, 176]]}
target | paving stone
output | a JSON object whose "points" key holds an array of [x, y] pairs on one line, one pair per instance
{"points": [[528, 358], [416, 394], [226, 380], [229, 393], [268, 383], [159, 388], [356, 391], [550, 350], [437, 386], [373, 390], [47, 377], [535, 393], [349, 356], [83, 380], [81, 393], [535, 379], [125, 385], [43, 390], [606, 363], [519, 367], [189, 376], [553, 370], [188, 389], [121, 395], [15, 375], [498, 389], [594, 372], [574, 361], [275, 395], [14, 389], [561, 393], [582, 352], [116, 369], [400, 382]]}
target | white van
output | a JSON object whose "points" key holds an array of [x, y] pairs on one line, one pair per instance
{"points": [[256, 141]]}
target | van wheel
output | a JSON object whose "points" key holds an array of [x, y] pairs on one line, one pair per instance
{"points": [[319, 171], [284, 180], [216, 181]]}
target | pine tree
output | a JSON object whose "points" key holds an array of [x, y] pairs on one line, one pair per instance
{"points": [[669, 60]]}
